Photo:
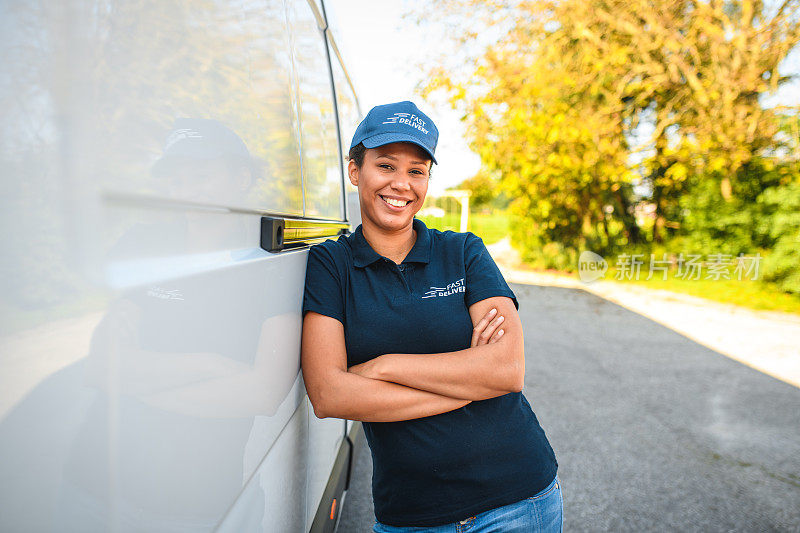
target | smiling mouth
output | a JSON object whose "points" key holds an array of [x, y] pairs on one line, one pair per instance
{"points": [[394, 202]]}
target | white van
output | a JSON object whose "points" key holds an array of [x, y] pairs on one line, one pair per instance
{"points": [[165, 165]]}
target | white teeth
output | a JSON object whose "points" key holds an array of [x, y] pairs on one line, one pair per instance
{"points": [[396, 203]]}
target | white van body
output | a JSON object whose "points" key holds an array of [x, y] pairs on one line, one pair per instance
{"points": [[149, 329]]}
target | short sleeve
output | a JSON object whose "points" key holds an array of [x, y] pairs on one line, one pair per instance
{"points": [[323, 291], [484, 279]]}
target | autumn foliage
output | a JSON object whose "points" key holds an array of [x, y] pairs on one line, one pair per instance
{"points": [[588, 111]]}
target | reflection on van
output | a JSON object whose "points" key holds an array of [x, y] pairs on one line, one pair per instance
{"points": [[149, 346]]}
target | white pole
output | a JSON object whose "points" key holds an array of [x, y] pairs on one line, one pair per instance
{"points": [[464, 212]]}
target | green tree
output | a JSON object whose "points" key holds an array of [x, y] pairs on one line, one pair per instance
{"points": [[485, 191], [578, 101]]}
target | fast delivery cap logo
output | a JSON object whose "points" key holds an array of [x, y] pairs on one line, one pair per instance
{"points": [[407, 118]]}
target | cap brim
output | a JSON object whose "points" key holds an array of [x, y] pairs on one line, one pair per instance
{"points": [[389, 138]]}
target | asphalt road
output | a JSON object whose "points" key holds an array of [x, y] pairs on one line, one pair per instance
{"points": [[652, 431]]}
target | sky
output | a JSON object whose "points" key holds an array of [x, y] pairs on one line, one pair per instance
{"points": [[382, 50]]}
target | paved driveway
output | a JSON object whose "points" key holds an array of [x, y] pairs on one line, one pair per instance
{"points": [[652, 431]]}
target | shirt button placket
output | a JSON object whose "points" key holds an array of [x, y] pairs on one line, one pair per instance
{"points": [[403, 269]]}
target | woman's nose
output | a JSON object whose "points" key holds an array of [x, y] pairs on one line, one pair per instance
{"points": [[400, 183]]}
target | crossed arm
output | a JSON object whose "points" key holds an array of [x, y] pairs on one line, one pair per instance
{"points": [[395, 387]]}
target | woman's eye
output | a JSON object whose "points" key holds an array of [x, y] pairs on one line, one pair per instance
{"points": [[387, 167]]}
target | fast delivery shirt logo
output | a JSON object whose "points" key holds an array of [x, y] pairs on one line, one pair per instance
{"points": [[452, 288], [407, 118]]}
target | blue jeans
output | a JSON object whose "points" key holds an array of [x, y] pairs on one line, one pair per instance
{"points": [[541, 512]]}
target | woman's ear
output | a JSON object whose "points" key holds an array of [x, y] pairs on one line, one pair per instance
{"points": [[352, 172]]}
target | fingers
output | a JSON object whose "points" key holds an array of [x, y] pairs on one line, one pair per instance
{"points": [[496, 336], [486, 331], [488, 334], [480, 326]]}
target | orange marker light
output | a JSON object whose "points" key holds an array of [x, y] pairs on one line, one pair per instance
{"points": [[333, 508]]}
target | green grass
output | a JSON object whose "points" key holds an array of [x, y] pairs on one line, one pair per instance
{"points": [[450, 221], [489, 227], [753, 294]]}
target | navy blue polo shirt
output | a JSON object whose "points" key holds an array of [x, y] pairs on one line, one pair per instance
{"points": [[443, 468]]}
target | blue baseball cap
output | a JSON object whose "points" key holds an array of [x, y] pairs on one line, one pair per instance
{"points": [[398, 122]]}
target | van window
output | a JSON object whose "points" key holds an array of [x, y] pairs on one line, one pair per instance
{"points": [[231, 64], [349, 115], [318, 139]]}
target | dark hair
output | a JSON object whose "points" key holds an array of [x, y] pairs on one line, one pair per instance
{"points": [[357, 156]]}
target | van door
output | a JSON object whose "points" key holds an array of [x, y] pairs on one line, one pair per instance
{"points": [[323, 194], [149, 345]]}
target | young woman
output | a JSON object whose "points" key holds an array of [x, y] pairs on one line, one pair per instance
{"points": [[415, 332]]}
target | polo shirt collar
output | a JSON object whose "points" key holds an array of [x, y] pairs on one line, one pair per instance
{"points": [[364, 255]]}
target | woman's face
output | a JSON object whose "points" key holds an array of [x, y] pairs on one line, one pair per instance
{"points": [[392, 184]]}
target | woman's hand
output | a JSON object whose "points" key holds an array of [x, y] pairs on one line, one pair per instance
{"points": [[486, 331]]}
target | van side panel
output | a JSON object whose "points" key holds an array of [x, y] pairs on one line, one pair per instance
{"points": [[272, 500], [149, 348]]}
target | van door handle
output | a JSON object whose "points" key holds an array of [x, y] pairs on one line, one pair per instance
{"points": [[278, 233]]}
